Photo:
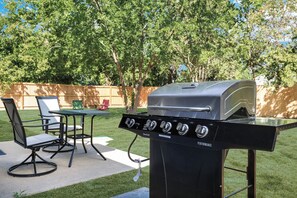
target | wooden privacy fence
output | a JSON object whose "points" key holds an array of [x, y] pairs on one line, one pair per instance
{"points": [[277, 103], [24, 94], [270, 102]]}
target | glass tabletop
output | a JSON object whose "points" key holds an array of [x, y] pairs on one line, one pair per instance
{"points": [[80, 112], [276, 122]]}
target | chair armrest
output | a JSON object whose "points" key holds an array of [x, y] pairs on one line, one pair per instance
{"points": [[38, 119], [46, 127], [43, 125], [49, 116]]}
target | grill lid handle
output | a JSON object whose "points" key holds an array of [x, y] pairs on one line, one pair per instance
{"points": [[175, 108], [191, 86]]}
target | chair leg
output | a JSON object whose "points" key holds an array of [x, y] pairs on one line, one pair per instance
{"points": [[83, 143], [33, 161], [54, 148], [59, 150], [14, 171]]}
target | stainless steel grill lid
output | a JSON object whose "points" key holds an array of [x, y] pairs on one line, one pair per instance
{"points": [[216, 100]]}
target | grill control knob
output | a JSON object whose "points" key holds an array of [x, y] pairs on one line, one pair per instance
{"points": [[182, 128], [152, 125], [162, 124], [147, 124], [201, 131], [130, 122], [179, 126], [166, 126]]}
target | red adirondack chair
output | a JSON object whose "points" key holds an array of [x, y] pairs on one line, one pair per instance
{"points": [[104, 106]]}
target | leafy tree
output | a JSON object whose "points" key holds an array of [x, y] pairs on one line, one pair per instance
{"points": [[198, 29], [133, 33], [280, 17], [20, 53], [67, 54], [136, 43], [257, 39]]}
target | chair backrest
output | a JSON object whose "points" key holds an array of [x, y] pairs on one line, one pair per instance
{"points": [[104, 105], [77, 104], [105, 102], [46, 104], [16, 122]]}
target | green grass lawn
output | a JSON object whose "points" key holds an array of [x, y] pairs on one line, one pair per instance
{"points": [[276, 171]]}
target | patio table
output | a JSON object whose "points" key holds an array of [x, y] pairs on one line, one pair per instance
{"points": [[82, 113]]}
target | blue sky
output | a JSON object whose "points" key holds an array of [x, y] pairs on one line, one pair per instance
{"points": [[2, 9]]}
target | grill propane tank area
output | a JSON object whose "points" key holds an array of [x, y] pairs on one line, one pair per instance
{"points": [[191, 127]]}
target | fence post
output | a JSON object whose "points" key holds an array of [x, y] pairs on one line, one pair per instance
{"points": [[23, 96]]}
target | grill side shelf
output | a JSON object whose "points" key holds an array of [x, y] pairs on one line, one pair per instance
{"points": [[287, 126], [257, 133], [246, 136]]}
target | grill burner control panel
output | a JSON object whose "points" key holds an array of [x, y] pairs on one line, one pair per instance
{"points": [[180, 130], [182, 127]]}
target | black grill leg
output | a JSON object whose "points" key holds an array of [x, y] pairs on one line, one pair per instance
{"points": [[251, 173]]}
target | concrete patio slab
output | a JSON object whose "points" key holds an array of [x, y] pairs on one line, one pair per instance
{"points": [[85, 166]]}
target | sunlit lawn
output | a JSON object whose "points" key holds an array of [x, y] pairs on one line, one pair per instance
{"points": [[276, 171]]}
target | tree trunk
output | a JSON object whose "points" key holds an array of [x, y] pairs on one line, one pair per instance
{"points": [[119, 68], [137, 97]]}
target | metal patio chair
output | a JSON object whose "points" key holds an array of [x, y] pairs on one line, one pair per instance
{"points": [[104, 106], [51, 103], [77, 104], [33, 165]]}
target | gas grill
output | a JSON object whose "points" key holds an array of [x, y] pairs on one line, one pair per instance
{"points": [[192, 126]]}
